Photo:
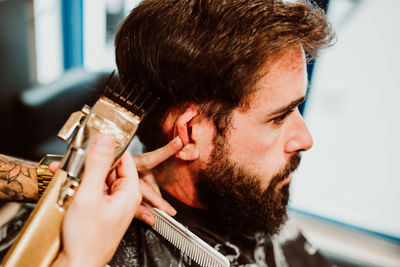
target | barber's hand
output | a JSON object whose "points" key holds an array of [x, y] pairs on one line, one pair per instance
{"points": [[102, 208], [148, 186]]}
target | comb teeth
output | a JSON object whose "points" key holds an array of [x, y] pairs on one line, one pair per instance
{"points": [[135, 100], [187, 242]]}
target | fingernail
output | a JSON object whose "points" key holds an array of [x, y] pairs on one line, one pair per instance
{"points": [[172, 211], [177, 140]]}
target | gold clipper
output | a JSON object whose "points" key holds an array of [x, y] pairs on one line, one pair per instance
{"points": [[118, 113]]}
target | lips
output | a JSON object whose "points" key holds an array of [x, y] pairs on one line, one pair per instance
{"points": [[286, 180], [282, 183]]}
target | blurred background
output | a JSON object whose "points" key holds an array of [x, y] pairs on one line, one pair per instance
{"points": [[55, 54]]}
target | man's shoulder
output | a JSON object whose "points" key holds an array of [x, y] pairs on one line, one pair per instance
{"points": [[143, 246], [291, 247], [10, 229]]}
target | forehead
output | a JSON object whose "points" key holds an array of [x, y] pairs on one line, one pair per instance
{"points": [[282, 80]]}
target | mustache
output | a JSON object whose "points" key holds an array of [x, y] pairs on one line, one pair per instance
{"points": [[290, 167]]}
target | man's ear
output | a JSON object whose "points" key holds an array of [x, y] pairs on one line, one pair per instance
{"points": [[184, 126]]}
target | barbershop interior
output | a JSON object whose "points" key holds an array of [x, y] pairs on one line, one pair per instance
{"points": [[55, 56]]}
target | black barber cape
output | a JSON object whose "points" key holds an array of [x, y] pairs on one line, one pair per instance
{"points": [[142, 246]]}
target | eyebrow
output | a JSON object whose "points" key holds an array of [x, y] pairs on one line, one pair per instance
{"points": [[292, 105]]}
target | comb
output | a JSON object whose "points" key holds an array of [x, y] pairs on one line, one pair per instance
{"points": [[190, 244]]}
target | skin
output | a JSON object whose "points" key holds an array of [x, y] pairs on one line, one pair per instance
{"points": [[258, 138], [18, 181], [148, 186], [112, 209], [111, 199], [261, 137]]}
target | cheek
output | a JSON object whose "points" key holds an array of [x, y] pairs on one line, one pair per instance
{"points": [[258, 148], [204, 138]]}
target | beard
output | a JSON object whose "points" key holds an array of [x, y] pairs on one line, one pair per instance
{"points": [[235, 198]]}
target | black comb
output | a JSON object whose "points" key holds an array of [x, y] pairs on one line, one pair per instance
{"points": [[138, 101]]}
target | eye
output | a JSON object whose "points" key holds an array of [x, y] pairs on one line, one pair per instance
{"points": [[281, 119]]}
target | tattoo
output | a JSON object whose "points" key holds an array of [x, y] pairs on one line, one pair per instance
{"points": [[18, 179]]}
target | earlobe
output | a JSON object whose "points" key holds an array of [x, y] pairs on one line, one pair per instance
{"points": [[189, 152]]}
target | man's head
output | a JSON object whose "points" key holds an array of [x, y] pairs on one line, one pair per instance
{"points": [[230, 75], [247, 178]]}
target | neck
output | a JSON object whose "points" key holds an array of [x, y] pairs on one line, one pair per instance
{"points": [[185, 194], [179, 182]]}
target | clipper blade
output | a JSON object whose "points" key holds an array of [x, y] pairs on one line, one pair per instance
{"points": [[134, 99]]}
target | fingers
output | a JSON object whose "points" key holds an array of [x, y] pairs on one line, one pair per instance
{"points": [[53, 167], [155, 199], [126, 167], [145, 215], [112, 176], [148, 177], [151, 159], [125, 187], [98, 162], [126, 180]]}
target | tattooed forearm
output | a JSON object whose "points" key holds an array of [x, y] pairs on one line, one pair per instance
{"points": [[18, 179]]}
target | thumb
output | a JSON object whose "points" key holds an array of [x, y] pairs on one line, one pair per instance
{"points": [[98, 162]]}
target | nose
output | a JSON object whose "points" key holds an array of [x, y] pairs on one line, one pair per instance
{"points": [[299, 136]]}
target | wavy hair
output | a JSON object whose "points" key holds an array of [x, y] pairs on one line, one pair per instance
{"points": [[209, 52]]}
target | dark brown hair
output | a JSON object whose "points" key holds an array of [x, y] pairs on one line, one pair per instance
{"points": [[208, 52]]}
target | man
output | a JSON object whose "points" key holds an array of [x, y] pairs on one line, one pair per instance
{"points": [[230, 75]]}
